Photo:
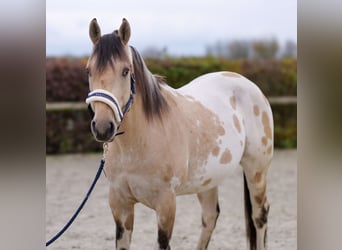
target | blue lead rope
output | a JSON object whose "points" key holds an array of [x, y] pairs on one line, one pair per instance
{"points": [[126, 109], [98, 174]]}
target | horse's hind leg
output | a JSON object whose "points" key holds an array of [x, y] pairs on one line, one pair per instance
{"points": [[255, 162], [165, 210], [210, 213], [256, 208], [123, 214]]}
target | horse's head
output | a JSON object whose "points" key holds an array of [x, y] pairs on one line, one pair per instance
{"points": [[111, 79]]}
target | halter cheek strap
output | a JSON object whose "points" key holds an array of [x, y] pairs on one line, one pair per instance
{"points": [[101, 95]]}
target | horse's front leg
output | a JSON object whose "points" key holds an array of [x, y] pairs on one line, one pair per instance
{"points": [[123, 214], [165, 211]]}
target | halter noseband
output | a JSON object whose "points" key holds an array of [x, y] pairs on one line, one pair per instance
{"points": [[101, 95]]}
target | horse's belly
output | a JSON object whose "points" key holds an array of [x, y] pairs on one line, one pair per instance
{"points": [[201, 184], [207, 177]]}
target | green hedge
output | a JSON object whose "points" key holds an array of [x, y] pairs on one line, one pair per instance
{"points": [[69, 131], [274, 77], [66, 79]]}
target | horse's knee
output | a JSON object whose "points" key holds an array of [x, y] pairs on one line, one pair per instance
{"points": [[209, 220], [166, 211], [119, 231], [163, 240], [124, 230], [164, 234]]}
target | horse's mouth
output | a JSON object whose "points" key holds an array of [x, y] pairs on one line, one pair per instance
{"points": [[103, 137], [100, 139]]}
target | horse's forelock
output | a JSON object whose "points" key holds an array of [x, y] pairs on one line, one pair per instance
{"points": [[108, 49]]}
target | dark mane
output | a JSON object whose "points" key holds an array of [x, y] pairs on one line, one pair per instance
{"points": [[109, 47], [149, 86]]}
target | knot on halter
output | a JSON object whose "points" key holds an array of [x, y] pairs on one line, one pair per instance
{"points": [[101, 95]]}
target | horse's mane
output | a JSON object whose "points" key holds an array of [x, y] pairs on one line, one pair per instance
{"points": [[149, 85]]}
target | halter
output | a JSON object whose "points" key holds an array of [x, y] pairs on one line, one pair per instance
{"points": [[101, 95]]}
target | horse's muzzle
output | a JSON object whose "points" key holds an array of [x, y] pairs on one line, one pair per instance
{"points": [[103, 131]]}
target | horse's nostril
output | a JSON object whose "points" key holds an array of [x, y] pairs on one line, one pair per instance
{"points": [[102, 130], [111, 128], [93, 125]]}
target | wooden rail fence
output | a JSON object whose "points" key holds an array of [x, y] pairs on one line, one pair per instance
{"points": [[61, 106]]}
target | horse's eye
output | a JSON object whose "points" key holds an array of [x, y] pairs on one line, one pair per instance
{"points": [[125, 72], [87, 71]]}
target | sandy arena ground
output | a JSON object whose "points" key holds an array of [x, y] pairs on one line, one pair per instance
{"points": [[68, 178]]}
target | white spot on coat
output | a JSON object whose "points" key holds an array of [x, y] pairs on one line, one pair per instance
{"points": [[174, 182]]}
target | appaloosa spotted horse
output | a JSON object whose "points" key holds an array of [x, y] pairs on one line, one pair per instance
{"points": [[176, 141]]}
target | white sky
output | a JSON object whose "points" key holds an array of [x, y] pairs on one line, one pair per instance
{"points": [[185, 27]]}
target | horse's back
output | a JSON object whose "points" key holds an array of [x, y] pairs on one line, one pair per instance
{"points": [[218, 86]]}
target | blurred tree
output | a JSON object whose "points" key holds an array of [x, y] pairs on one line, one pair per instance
{"points": [[290, 49], [219, 49], [265, 48], [245, 49], [154, 52], [239, 49]]}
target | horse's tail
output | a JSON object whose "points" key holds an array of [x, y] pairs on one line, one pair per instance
{"points": [[250, 228]]}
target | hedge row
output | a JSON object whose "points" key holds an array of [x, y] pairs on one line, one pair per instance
{"points": [[69, 131], [274, 77], [66, 79]]}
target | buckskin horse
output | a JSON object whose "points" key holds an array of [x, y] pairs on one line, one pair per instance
{"points": [[164, 142]]}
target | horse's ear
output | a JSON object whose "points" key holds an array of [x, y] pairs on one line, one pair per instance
{"points": [[125, 31], [94, 31]]}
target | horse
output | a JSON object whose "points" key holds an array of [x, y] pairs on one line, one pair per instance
{"points": [[164, 142]]}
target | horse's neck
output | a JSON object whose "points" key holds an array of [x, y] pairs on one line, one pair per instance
{"points": [[136, 125]]}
